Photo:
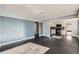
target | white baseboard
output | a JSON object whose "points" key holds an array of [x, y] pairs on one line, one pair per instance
{"points": [[16, 41], [40, 35], [46, 35], [75, 36]]}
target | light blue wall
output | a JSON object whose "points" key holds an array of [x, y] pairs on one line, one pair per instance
{"points": [[40, 28], [16, 29], [29, 28], [78, 25], [0, 31]]}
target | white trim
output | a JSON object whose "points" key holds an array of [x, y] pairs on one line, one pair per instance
{"points": [[40, 35], [75, 36], [0, 14], [46, 35], [16, 41]]}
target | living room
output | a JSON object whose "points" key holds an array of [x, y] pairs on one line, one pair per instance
{"points": [[51, 29]]}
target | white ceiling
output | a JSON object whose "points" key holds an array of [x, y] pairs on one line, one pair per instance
{"points": [[41, 11], [54, 10]]}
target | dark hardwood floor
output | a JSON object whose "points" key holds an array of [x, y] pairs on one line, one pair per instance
{"points": [[64, 45]]}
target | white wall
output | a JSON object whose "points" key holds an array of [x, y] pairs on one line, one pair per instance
{"points": [[46, 28], [73, 26], [73, 22]]}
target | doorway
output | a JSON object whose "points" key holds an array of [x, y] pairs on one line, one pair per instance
{"points": [[36, 30]]}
